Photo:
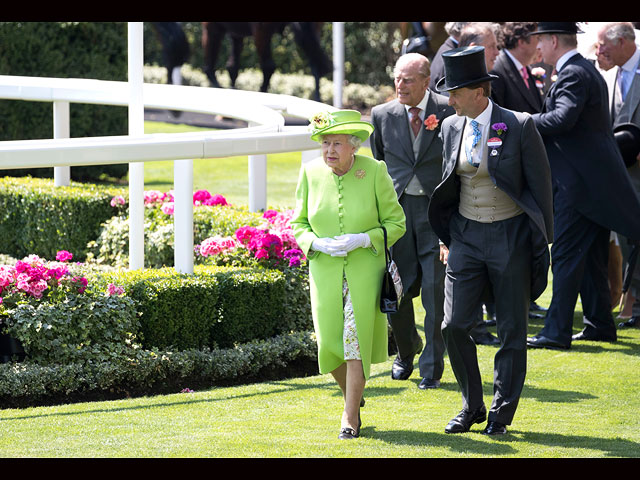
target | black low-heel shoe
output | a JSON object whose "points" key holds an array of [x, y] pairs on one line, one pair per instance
{"points": [[348, 434]]}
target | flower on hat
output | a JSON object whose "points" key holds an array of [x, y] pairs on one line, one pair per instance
{"points": [[431, 122], [321, 120], [499, 127]]}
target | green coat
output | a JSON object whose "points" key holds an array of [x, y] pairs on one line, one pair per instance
{"points": [[328, 205]]}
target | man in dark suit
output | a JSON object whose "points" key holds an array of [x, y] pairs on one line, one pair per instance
{"points": [[515, 88], [617, 48], [587, 168], [437, 66], [493, 213], [414, 161]]}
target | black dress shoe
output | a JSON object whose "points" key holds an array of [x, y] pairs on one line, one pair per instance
{"points": [[534, 307], [535, 315], [583, 335], [402, 369], [540, 341], [495, 428], [428, 383], [490, 323], [631, 323], [348, 434], [486, 339], [462, 422]]}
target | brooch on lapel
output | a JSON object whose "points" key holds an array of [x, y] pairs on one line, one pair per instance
{"points": [[360, 173], [431, 122], [496, 142]]}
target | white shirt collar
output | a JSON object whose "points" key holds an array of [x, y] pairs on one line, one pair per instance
{"points": [[631, 64], [515, 61], [485, 117], [422, 105], [563, 59]]}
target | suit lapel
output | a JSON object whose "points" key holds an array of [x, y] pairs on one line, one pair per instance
{"points": [[401, 130], [455, 134], [518, 81], [427, 135]]}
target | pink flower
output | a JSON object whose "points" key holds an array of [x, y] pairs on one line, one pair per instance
{"points": [[216, 199], [217, 244], [269, 214], [153, 196], [167, 208], [431, 122], [114, 290], [64, 256], [118, 200], [200, 196]]}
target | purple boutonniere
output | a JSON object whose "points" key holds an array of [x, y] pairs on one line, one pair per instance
{"points": [[500, 128]]}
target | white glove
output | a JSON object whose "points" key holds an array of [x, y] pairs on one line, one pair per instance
{"points": [[351, 241], [328, 246]]}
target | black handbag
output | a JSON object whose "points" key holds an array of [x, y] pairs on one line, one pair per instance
{"points": [[391, 292]]}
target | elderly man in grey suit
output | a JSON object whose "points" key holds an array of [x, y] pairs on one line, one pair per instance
{"points": [[617, 43], [493, 212], [405, 137]]}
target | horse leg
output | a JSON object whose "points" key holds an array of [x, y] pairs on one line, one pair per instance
{"points": [[262, 38], [233, 64], [212, 36]]}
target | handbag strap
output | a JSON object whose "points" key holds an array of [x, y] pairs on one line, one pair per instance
{"points": [[387, 254]]}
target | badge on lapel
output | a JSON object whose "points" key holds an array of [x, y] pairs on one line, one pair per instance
{"points": [[496, 142], [360, 173]]}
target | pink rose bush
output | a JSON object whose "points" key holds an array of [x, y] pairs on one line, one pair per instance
{"points": [[34, 277], [270, 244]]}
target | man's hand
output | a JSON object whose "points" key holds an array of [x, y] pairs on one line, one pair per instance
{"points": [[444, 253]]}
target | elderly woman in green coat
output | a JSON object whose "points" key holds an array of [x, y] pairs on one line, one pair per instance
{"points": [[342, 201]]}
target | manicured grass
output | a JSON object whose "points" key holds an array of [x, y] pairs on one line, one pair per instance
{"points": [[578, 403]]}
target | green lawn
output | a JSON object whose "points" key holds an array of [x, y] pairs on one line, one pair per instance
{"points": [[578, 403]]}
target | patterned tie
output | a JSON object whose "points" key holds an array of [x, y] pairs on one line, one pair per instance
{"points": [[525, 76], [472, 141], [416, 123]]}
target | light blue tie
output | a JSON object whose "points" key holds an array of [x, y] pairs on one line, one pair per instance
{"points": [[476, 139]]}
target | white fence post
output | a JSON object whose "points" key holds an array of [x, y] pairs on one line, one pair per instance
{"points": [[136, 128], [61, 129], [338, 63], [257, 181], [183, 215]]}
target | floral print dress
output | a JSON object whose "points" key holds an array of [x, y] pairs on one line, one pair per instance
{"points": [[349, 333]]}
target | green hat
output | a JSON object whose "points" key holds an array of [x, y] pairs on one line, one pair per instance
{"points": [[340, 122]]}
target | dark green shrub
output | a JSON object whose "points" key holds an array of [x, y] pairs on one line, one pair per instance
{"points": [[82, 328], [96, 50], [38, 218], [216, 306]]}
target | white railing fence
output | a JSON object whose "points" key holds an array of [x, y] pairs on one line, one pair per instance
{"points": [[265, 134]]}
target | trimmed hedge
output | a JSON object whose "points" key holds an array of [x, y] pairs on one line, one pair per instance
{"points": [[155, 372], [216, 307], [39, 218]]}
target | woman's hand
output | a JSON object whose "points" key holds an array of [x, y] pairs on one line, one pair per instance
{"points": [[351, 241], [328, 246]]}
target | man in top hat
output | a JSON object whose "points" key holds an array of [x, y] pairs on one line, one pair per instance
{"points": [[617, 44], [586, 168], [493, 213]]}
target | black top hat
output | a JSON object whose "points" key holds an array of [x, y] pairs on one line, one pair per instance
{"points": [[557, 27], [627, 136], [463, 67]]}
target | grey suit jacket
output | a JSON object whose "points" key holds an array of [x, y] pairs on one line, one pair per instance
{"points": [[520, 169], [629, 113], [392, 143]]}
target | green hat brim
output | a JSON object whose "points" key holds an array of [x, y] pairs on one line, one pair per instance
{"points": [[362, 130]]}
